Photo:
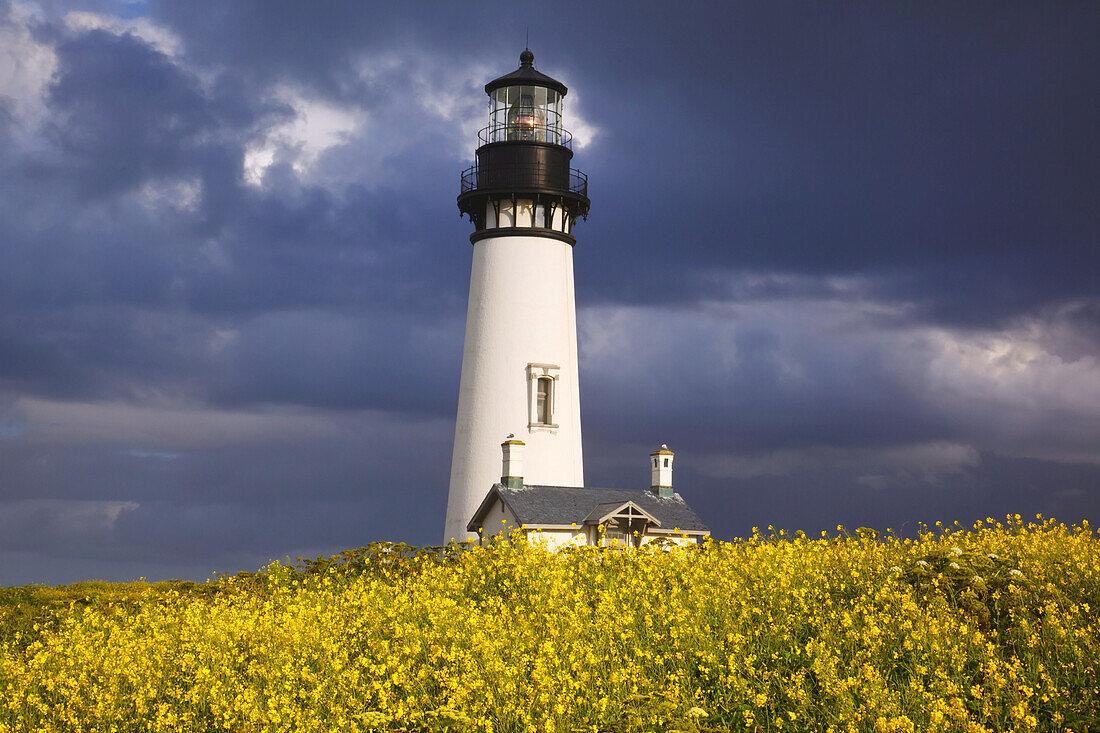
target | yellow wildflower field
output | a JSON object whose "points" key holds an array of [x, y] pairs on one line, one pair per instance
{"points": [[991, 628]]}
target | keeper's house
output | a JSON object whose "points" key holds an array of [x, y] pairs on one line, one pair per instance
{"points": [[558, 516]]}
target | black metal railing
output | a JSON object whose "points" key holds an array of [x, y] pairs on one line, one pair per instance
{"points": [[522, 133], [524, 175]]}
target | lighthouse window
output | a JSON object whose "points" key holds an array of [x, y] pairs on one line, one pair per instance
{"points": [[525, 112], [545, 391], [542, 383]]}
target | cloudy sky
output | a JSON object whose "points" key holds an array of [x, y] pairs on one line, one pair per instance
{"points": [[841, 257]]}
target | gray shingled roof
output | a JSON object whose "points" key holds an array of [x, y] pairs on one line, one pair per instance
{"points": [[566, 505]]}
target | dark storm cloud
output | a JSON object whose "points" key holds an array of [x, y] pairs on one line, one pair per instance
{"points": [[343, 361], [308, 247], [123, 113], [950, 155], [322, 45], [236, 482], [823, 240], [820, 498], [7, 116], [782, 381], [106, 318], [947, 152]]}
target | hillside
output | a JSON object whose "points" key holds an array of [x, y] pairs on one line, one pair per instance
{"points": [[992, 628]]}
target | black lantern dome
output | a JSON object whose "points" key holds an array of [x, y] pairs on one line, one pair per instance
{"points": [[523, 160], [526, 74]]}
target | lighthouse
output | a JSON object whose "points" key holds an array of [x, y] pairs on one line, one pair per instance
{"points": [[519, 379]]}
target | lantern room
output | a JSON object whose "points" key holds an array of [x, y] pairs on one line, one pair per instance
{"points": [[522, 182], [525, 113], [525, 106]]}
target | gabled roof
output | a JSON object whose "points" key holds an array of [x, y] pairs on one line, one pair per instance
{"points": [[610, 510], [564, 506]]}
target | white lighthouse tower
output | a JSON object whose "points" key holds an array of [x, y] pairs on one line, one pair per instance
{"points": [[519, 361]]}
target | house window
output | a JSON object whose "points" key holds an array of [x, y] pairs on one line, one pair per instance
{"points": [[542, 383], [617, 534], [622, 533]]}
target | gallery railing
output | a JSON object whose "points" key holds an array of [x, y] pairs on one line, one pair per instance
{"points": [[524, 133], [524, 175]]}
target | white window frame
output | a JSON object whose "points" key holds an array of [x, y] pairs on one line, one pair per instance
{"points": [[535, 372]]}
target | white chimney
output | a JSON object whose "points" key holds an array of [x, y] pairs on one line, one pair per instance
{"points": [[660, 466], [511, 472]]}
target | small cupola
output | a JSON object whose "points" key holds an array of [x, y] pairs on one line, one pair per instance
{"points": [[660, 466], [511, 472]]}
